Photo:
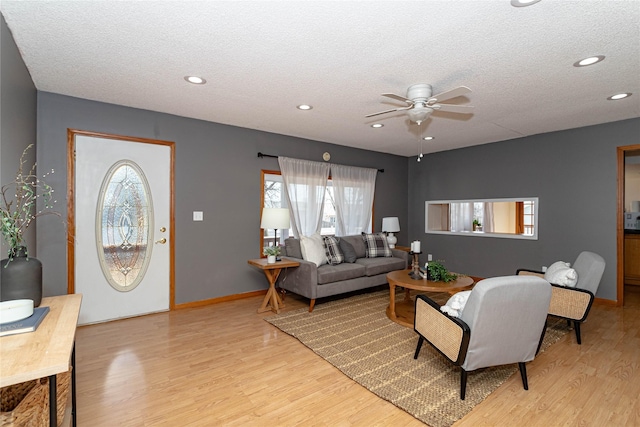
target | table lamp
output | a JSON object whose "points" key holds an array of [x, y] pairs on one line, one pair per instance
{"points": [[391, 225], [276, 218]]}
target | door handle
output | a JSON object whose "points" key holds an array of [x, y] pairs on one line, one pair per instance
{"points": [[162, 241]]}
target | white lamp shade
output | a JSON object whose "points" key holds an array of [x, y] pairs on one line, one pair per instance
{"points": [[276, 218], [391, 224]]}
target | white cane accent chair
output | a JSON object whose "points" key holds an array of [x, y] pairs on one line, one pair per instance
{"points": [[574, 304], [502, 323]]}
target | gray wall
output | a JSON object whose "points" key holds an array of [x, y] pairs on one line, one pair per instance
{"points": [[574, 174], [217, 172], [17, 118]]}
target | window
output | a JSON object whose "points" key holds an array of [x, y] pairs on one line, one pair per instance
{"points": [[124, 218], [525, 217], [273, 197]]}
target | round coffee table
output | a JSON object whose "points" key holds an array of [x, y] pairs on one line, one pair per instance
{"points": [[403, 312]]}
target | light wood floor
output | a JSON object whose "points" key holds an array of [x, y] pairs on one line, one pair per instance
{"points": [[222, 365]]}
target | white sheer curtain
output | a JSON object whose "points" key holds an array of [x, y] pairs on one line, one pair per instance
{"points": [[461, 216], [353, 190], [488, 225], [305, 185]]}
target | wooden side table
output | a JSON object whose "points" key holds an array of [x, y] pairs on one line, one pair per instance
{"points": [[272, 300], [46, 352]]}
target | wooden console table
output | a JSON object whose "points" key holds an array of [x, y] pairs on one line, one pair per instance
{"points": [[272, 300], [46, 352]]}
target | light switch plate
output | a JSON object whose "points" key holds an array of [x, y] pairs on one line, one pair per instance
{"points": [[198, 216]]}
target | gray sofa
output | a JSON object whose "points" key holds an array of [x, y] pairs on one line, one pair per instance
{"points": [[313, 282]]}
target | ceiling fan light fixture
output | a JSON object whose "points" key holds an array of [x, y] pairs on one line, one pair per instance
{"points": [[419, 114], [589, 61]]}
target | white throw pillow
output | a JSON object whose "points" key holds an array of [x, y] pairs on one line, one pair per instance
{"points": [[455, 304], [312, 248], [561, 273]]}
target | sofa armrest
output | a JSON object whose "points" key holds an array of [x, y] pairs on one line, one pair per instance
{"points": [[302, 280], [449, 335], [397, 253]]}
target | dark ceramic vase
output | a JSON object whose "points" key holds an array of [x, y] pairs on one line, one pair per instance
{"points": [[21, 278]]}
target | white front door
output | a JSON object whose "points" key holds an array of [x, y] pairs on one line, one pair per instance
{"points": [[122, 200]]}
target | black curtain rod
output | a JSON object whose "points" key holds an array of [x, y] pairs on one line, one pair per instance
{"points": [[261, 155]]}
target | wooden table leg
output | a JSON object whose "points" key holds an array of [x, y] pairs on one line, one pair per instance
{"points": [[407, 295], [392, 300], [272, 298]]}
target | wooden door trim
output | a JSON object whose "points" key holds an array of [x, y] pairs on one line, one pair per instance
{"points": [[71, 183], [620, 222]]}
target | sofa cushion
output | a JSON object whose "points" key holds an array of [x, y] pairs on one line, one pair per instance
{"points": [[313, 249], [292, 248], [332, 250], [375, 266], [348, 250], [377, 245], [335, 273], [357, 243]]}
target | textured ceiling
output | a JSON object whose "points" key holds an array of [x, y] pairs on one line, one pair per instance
{"points": [[261, 59]]}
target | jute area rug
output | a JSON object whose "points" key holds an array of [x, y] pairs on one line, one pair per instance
{"points": [[355, 335]]}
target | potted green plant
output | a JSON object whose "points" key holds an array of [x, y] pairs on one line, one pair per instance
{"points": [[437, 272], [22, 275], [271, 252], [476, 225]]}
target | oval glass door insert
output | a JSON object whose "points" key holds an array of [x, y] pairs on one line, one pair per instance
{"points": [[123, 224]]}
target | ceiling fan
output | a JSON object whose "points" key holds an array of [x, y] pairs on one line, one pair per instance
{"points": [[421, 103]]}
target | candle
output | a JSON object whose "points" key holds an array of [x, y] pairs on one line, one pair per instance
{"points": [[417, 244]]}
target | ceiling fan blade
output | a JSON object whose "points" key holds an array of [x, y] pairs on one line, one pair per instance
{"points": [[388, 111], [453, 93], [468, 109], [398, 98]]}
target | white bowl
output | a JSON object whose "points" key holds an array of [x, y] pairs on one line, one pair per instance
{"points": [[12, 311]]}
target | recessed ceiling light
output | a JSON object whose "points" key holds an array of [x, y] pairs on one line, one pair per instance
{"points": [[523, 3], [195, 80], [377, 125], [619, 96], [428, 138], [304, 107], [589, 61]]}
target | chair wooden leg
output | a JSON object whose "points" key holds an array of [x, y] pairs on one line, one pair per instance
{"points": [[420, 341], [311, 304], [523, 374], [576, 326], [463, 383]]}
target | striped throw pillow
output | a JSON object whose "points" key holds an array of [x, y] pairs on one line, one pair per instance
{"points": [[377, 245], [332, 249]]}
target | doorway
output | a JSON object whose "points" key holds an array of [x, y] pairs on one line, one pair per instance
{"points": [[623, 153], [121, 255]]}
